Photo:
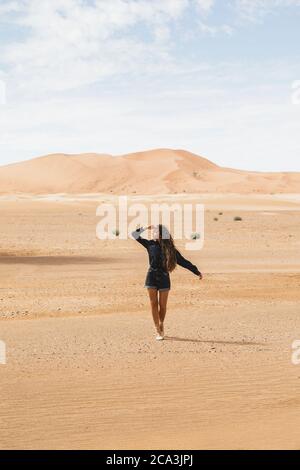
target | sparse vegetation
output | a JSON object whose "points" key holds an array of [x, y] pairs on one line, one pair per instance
{"points": [[220, 213], [237, 218], [195, 236], [216, 219]]}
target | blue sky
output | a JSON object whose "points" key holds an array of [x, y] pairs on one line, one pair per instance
{"points": [[219, 78]]}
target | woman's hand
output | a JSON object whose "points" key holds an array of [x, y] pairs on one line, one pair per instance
{"points": [[200, 276], [150, 227]]}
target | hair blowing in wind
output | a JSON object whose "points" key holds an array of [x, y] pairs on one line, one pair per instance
{"points": [[168, 248]]}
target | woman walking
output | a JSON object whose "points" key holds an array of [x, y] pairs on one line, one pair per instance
{"points": [[163, 258]]}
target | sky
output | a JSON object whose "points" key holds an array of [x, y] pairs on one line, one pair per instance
{"points": [[220, 78]]}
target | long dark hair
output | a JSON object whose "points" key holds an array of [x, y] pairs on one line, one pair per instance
{"points": [[168, 248]]}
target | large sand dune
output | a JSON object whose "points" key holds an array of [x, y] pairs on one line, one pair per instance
{"points": [[151, 172]]}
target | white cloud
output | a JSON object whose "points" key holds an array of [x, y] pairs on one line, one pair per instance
{"points": [[9, 6], [214, 30], [71, 43], [255, 10], [205, 5]]}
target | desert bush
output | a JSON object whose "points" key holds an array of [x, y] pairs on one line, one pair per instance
{"points": [[195, 236], [237, 218]]}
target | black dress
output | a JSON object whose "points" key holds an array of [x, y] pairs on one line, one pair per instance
{"points": [[157, 275]]}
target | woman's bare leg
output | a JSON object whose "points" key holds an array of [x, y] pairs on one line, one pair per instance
{"points": [[154, 307], [163, 300]]}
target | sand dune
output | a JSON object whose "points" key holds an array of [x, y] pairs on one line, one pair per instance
{"points": [[150, 172]]}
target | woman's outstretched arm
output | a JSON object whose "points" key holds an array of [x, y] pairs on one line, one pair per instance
{"points": [[136, 234], [187, 264]]}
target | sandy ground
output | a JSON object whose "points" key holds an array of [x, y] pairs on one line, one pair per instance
{"points": [[83, 368]]}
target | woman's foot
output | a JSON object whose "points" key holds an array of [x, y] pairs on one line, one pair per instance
{"points": [[159, 337], [160, 332]]}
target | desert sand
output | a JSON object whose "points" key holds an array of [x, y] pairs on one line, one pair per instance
{"points": [[158, 171], [83, 368]]}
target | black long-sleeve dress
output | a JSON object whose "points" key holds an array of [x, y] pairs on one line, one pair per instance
{"points": [[157, 275]]}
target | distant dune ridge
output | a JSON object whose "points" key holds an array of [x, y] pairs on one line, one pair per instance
{"points": [[161, 171]]}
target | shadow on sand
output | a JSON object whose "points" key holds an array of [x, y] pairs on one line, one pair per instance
{"points": [[53, 260], [213, 341]]}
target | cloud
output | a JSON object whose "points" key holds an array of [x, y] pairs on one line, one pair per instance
{"points": [[9, 6], [214, 30], [256, 10], [66, 44], [70, 43], [205, 5]]}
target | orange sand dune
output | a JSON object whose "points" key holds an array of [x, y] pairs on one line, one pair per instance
{"points": [[151, 172]]}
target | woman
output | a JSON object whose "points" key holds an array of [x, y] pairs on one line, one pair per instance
{"points": [[163, 258]]}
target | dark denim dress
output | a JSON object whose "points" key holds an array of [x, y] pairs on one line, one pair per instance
{"points": [[157, 276]]}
